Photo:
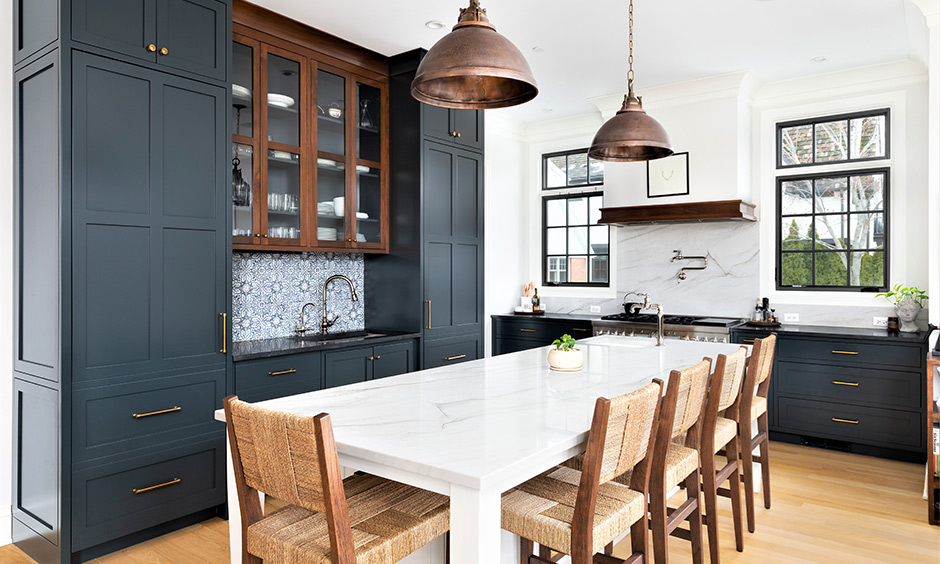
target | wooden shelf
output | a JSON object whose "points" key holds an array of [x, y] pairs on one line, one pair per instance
{"points": [[692, 212]]}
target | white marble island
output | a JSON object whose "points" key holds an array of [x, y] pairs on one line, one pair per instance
{"points": [[474, 430]]}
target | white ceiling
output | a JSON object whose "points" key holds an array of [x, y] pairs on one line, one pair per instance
{"points": [[585, 43]]}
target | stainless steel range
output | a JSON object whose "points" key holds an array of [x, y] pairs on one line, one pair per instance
{"points": [[685, 327]]}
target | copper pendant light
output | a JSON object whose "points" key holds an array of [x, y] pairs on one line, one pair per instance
{"points": [[474, 67], [632, 134]]}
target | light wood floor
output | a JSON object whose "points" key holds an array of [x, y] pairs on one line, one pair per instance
{"points": [[828, 507]]}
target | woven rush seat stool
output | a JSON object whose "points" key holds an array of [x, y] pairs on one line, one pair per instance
{"points": [[363, 519], [579, 512]]}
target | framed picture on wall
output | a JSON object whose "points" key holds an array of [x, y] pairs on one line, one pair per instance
{"points": [[668, 176]]}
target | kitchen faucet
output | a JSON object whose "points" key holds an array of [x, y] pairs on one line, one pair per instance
{"points": [[635, 308], [325, 321], [303, 323]]}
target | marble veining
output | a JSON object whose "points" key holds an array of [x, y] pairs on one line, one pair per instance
{"points": [[485, 423], [269, 289]]}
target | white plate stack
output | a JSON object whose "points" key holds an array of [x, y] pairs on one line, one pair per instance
{"points": [[326, 234]]}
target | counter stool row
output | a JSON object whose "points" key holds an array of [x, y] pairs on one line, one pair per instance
{"points": [[641, 446]]}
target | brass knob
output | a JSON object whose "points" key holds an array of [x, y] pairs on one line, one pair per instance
{"points": [[258, 235], [371, 358], [378, 358], [265, 235], [164, 51], [151, 47], [453, 134], [458, 133]]}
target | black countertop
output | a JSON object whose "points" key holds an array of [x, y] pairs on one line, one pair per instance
{"points": [[278, 346], [853, 332], [548, 315]]}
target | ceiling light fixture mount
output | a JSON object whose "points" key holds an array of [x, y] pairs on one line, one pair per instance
{"points": [[474, 67], [632, 134]]}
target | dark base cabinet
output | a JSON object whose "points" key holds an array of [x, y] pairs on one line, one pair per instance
{"points": [[848, 389], [514, 333]]}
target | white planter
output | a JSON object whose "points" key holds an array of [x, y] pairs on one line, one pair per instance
{"points": [[565, 360], [908, 310]]}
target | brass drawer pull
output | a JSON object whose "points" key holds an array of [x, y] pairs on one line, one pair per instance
{"points": [[852, 421], [161, 412], [158, 486], [282, 372], [845, 352], [748, 340], [838, 383], [429, 313], [224, 348], [529, 330], [579, 329], [458, 357]]}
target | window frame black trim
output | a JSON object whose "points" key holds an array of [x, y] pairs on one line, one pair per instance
{"points": [[778, 242], [544, 251], [546, 156], [778, 137]]}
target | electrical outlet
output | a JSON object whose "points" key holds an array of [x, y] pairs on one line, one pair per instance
{"points": [[791, 317], [879, 321], [595, 309]]}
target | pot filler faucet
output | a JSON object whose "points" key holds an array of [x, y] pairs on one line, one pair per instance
{"points": [[635, 308], [325, 321]]}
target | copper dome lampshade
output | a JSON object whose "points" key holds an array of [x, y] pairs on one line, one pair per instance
{"points": [[632, 134], [474, 67]]}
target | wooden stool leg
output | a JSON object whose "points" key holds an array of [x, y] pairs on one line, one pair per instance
{"points": [[747, 471], [639, 539], [525, 550], [658, 525], [735, 486], [762, 429], [710, 493], [695, 519]]}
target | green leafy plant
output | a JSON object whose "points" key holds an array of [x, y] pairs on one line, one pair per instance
{"points": [[899, 292], [565, 343]]}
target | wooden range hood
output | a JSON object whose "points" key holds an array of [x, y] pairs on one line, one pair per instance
{"points": [[692, 212]]}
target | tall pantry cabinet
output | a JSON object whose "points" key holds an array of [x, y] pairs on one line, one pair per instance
{"points": [[122, 270], [432, 279]]}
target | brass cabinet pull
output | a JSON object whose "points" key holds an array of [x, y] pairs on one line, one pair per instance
{"points": [[458, 357], [160, 412], [429, 313], [748, 340], [371, 358], [282, 372], [579, 329], [258, 235], [158, 486], [852, 421], [529, 330], [378, 358], [458, 134], [838, 383], [265, 236], [224, 348], [152, 48], [844, 352], [164, 51]]}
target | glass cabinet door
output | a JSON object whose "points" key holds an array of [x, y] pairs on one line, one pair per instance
{"points": [[369, 165], [283, 142], [331, 158], [243, 144]]}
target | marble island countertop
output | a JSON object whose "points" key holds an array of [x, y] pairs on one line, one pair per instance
{"points": [[486, 423], [278, 346]]}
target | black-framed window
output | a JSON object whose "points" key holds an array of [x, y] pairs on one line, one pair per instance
{"points": [[832, 231], [575, 249], [571, 168], [856, 137]]}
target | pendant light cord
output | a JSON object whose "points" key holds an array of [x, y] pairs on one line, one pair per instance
{"points": [[630, 70]]}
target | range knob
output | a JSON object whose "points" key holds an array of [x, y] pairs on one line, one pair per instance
{"points": [[632, 333]]}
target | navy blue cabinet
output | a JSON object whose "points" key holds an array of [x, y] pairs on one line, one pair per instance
{"points": [[432, 279], [349, 366], [122, 271], [520, 333]]}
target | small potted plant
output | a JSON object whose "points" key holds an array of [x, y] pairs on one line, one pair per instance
{"points": [[565, 356], [908, 301]]}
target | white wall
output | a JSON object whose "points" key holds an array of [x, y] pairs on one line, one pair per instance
{"points": [[6, 274], [505, 212]]}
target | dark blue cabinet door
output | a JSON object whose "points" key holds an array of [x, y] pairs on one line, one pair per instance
{"points": [[193, 34], [148, 221], [347, 366], [124, 26], [468, 125], [393, 359]]}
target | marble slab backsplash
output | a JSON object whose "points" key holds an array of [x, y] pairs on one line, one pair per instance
{"points": [[269, 290], [728, 287]]}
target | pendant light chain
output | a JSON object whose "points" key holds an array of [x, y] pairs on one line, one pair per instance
{"points": [[630, 71]]}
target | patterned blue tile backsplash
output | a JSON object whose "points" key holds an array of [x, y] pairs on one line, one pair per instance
{"points": [[269, 289]]}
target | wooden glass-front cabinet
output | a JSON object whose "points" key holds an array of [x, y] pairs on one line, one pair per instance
{"points": [[309, 153]]}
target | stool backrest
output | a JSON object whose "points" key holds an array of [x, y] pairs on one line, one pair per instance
{"points": [[762, 358], [732, 378], [691, 384], [630, 420]]}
